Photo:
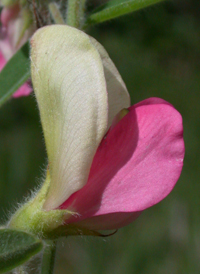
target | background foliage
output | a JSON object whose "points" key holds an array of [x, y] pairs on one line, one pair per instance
{"points": [[157, 52]]}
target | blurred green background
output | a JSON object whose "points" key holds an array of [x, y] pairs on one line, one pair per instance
{"points": [[157, 52]]}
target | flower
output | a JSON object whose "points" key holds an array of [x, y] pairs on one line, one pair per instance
{"points": [[104, 166], [16, 28]]}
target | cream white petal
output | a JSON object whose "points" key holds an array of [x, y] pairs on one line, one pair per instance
{"points": [[70, 88], [118, 96]]}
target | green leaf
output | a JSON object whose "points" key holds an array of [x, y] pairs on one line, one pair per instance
{"points": [[15, 73], [116, 8], [16, 247]]}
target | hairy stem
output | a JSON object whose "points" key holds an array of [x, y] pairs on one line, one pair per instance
{"points": [[55, 12], [48, 259], [75, 13]]}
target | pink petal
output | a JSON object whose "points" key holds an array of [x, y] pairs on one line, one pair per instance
{"points": [[7, 31], [8, 14], [24, 90], [6, 48], [109, 221], [136, 165], [2, 61]]}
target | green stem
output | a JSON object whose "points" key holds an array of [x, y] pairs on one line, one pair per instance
{"points": [[48, 259], [75, 13], [82, 12], [55, 12]]}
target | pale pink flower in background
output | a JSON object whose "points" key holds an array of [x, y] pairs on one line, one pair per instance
{"points": [[15, 30], [106, 172]]}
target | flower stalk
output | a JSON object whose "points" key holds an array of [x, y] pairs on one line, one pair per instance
{"points": [[48, 260], [75, 13], [56, 14]]}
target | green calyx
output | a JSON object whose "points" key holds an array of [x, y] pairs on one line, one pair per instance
{"points": [[32, 218], [48, 225]]}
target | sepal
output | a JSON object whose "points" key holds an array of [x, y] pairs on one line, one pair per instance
{"points": [[47, 225]]}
